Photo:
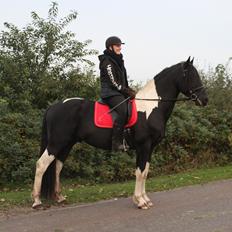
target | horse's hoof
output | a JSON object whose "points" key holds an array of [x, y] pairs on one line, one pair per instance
{"points": [[144, 206], [150, 204], [135, 200], [61, 200], [37, 205]]}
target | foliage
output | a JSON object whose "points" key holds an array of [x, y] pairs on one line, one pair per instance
{"points": [[18, 143], [43, 63]]}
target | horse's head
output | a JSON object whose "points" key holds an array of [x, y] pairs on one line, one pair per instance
{"points": [[190, 84]]}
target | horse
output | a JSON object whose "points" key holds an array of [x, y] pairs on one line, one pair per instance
{"points": [[71, 121]]}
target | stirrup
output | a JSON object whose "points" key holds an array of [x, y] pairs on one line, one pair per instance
{"points": [[125, 145]]}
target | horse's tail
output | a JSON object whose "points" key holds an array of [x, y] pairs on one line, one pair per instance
{"points": [[44, 135], [48, 180]]}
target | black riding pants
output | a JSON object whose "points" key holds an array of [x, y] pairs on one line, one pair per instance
{"points": [[121, 110]]}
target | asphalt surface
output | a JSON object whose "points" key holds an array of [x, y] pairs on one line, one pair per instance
{"points": [[200, 208]]}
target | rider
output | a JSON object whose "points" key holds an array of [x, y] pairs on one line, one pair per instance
{"points": [[114, 87]]}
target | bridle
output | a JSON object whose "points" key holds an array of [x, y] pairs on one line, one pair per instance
{"points": [[191, 92], [193, 95]]}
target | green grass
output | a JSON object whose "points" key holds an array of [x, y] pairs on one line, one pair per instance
{"points": [[20, 196]]}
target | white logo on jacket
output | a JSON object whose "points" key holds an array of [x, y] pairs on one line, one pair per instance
{"points": [[110, 74]]}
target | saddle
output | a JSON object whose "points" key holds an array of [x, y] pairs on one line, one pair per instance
{"points": [[104, 119]]}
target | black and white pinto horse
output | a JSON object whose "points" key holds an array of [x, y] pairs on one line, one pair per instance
{"points": [[72, 121]]}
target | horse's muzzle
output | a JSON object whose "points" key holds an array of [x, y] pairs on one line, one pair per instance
{"points": [[201, 101]]}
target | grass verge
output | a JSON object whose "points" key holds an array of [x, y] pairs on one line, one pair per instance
{"points": [[20, 196]]}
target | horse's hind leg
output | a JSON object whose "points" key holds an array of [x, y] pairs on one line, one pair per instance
{"points": [[59, 197], [41, 166], [61, 157]]}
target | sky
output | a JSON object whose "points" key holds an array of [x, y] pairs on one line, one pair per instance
{"points": [[157, 34]]}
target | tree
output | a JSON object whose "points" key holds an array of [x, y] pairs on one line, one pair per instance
{"points": [[219, 87], [37, 61]]}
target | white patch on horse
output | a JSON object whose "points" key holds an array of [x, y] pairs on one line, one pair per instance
{"points": [[144, 194], [140, 176], [140, 185], [59, 166], [68, 99], [41, 166], [148, 91], [59, 197]]}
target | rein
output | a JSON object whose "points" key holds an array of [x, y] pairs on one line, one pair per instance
{"points": [[192, 97], [164, 100]]}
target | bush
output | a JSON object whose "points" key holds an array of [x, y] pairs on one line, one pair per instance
{"points": [[19, 143], [96, 165], [194, 137], [41, 64]]}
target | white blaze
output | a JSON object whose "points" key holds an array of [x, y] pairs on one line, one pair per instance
{"points": [[148, 91]]}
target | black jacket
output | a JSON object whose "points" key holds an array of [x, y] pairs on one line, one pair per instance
{"points": [[113, 77]]}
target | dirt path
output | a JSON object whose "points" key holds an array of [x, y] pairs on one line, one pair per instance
{"points": [[201, 208]]}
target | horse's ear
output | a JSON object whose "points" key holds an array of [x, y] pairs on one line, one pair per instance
{"points": [[187, 62], [192, 60]]}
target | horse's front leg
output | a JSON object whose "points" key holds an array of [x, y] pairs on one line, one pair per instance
{"points": [[144, 194], [140, 198], [142, 163]]}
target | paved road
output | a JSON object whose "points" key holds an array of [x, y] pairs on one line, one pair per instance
{"points": [[201, 208]]}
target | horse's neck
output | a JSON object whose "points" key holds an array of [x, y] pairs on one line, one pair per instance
{"points": [[167, 90], [154, 90], [166, 110]]}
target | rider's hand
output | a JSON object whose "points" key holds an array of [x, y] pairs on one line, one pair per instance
{"points": [[129, 92]]}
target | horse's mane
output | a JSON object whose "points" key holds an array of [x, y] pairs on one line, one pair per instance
{"points": [[167, 70], [162, 74]]}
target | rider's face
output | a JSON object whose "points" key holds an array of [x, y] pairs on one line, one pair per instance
{"points": [[117, 48]]}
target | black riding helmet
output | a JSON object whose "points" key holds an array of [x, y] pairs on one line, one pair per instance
{"points": [[113, 40]]}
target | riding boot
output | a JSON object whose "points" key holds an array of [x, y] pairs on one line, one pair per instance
{"points": [[117, 138]]}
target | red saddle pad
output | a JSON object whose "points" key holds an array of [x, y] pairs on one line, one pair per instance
{"points": [[104, 119]]}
